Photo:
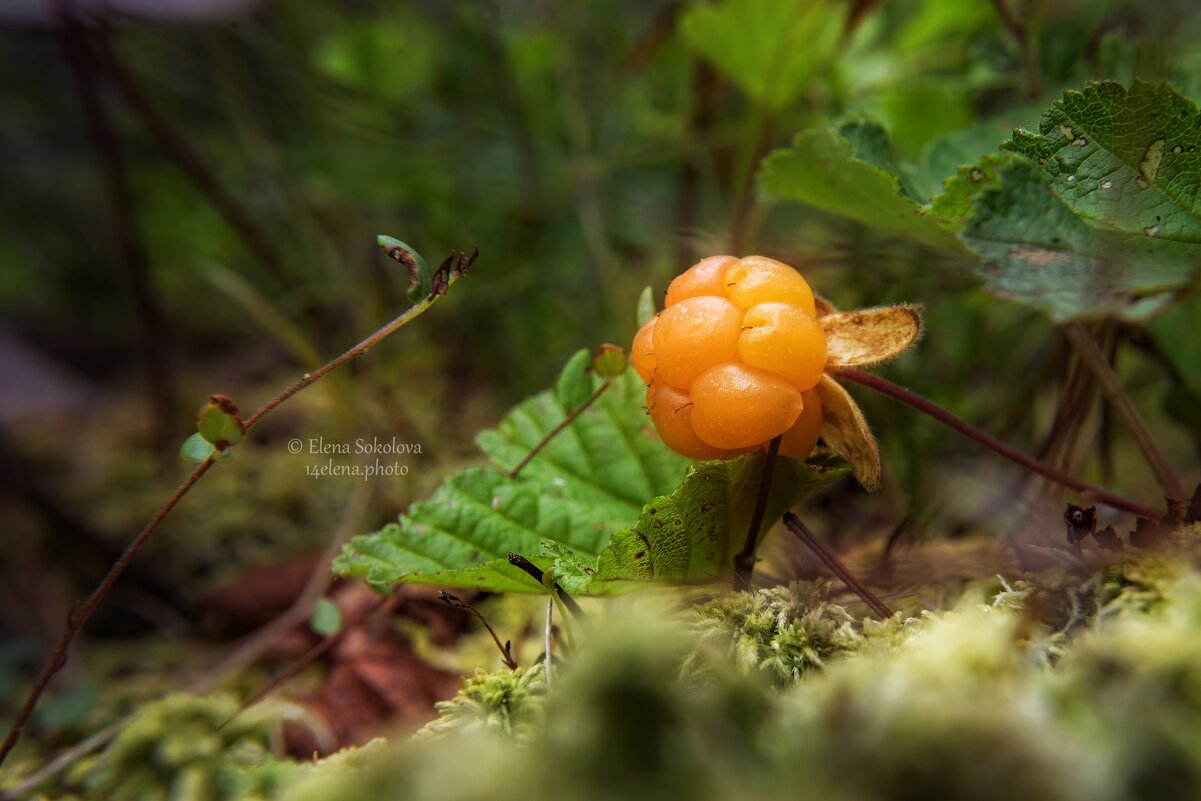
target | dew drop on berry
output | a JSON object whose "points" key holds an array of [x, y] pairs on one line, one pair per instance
{"points": [[694, 335], [757, 279], [706, 277]]}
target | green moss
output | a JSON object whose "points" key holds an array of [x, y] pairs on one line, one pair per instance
{"points": [[784, 631], [503, 701], [186, 747]]}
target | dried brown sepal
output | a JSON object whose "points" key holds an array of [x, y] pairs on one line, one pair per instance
{"points": [[1193, 513], [1147, 534], [824, 307], [1081, 522], [845, 430], [869, 336], [1108, 539]]}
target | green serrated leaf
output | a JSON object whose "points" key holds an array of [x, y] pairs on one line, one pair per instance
{"points": [[822, 170], [196, 448], [588, 482], [953, 206], [574, 384], [1122, 160], [1037, 250], [692, 534], [769, 48], [646, 306], [327, 618], [869, 142], [573, 572]]}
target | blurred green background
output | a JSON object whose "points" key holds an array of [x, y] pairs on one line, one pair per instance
{"points": [[191, 194]]}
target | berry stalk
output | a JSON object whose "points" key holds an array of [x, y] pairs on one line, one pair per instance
{"points": [[987, 440]]}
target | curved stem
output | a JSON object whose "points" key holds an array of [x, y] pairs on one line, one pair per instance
{"points": [[940, 414], [77, 619], [564, 423], [80, 616]]}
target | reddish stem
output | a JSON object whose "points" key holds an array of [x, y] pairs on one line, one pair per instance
{"points": [[80, 616], [992, 443], [831, 560]]}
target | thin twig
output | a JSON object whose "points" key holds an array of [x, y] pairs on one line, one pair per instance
{"points": [[65, 758], [246, 651], [744, 563], [1096, 362], [506, 650], [445, 277], [836, 566], [80, 616], [940, 414], [566, 421], [366, 344]]}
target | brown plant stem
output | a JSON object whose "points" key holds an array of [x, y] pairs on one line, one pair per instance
{"points": [[940, 414], [828, 557], [80, 616], [445, 277], [744, 563], [1098, 364], [506, 650], [564, 423]]}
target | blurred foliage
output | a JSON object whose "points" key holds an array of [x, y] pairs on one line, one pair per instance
{"points": [[944, 705]]}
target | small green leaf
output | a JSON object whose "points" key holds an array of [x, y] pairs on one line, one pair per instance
{"points": [[575, 383], [421, 282], [823, 170], [220, 423], [327, 618], [646, 306], [196, 448]]}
